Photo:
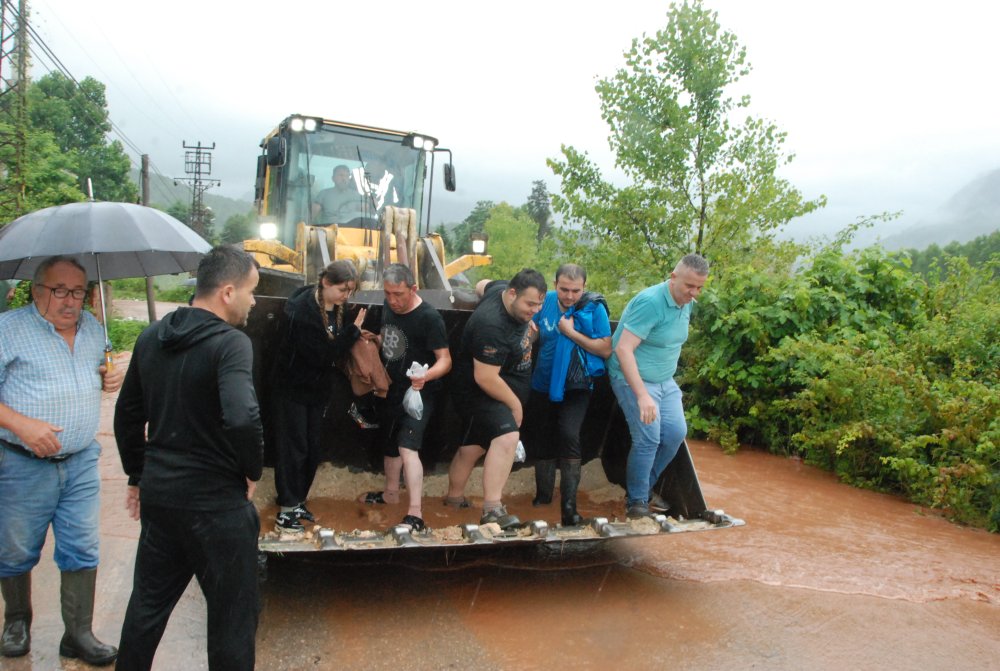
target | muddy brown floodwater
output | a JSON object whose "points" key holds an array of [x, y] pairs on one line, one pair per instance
{"points": [[823, 576]]}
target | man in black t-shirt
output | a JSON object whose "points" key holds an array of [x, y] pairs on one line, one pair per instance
{"points": [[412, 331], [493, 381]]}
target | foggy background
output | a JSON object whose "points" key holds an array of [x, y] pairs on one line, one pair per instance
{"points": [[888, 106]]}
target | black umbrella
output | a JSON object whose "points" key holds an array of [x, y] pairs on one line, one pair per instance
{"points": [[110, 240]]}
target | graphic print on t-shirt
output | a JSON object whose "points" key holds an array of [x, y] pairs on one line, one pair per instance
{"points": [[393, 343]]}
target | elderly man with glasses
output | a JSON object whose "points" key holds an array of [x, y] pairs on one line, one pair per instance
{"points": [[51, 376]]}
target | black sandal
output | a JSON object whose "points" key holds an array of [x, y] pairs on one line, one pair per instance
{"points": [[415, 522]]}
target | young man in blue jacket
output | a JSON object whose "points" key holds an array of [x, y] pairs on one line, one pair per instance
{"points": [[575, 338]]}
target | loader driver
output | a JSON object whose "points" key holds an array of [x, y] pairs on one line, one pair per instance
{"points": [[412, 332], [339, 203], [493, 371]]}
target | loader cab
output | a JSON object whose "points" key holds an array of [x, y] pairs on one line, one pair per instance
{"points": [[295, 176]]}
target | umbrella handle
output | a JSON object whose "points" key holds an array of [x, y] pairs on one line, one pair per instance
{"points": [[108, 361]]}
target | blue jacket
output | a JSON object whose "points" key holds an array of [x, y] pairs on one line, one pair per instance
{"points": [[583, 314]]}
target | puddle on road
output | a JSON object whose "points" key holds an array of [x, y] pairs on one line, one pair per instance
{"points": [[806, 529]]}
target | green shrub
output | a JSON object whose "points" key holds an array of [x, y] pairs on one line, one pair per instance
{"points": [[132, 287], [123, 333], [22, 295], [861, 367], [178, 294]]}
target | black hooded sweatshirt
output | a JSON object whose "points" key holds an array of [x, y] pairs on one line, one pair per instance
{"points": [[306, 357], [191, 379]]}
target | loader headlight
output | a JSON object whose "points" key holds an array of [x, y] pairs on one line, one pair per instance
{"points": [[298, 124], [268, 230], [479, 242], [420, 142]]}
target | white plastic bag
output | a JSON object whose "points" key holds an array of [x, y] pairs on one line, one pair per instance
{"points": [[519, 454], [413, 404], [417, 370]]}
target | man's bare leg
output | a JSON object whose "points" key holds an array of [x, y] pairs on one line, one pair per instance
{"points": [[497, 466], [393, 467], [413, 471], [461, 468]]}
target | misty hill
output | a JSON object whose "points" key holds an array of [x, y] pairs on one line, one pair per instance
{"points": [[972, 212], [163, 193]]}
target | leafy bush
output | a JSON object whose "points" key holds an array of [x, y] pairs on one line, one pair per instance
{"points": [[861, 367], [132, 287], [123, 333], [178, 294], [22, 295]]}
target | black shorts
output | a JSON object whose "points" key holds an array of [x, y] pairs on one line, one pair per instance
{"points": [[397, 429], [484, 420]]}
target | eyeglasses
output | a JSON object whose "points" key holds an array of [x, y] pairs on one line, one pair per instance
{"points": [[63, 292]]}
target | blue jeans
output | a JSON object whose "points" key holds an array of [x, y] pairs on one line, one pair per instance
{"points": [[653, 445], [35, 493]]}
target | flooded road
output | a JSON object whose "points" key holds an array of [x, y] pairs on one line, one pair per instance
{"points": [[823, 576]]}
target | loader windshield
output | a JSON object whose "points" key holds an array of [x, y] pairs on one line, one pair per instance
{"points": [[343, 175]]}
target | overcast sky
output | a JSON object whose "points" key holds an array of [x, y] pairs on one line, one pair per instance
{"points": [[888, 105]]}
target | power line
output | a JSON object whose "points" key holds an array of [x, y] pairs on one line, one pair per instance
{"points": [[52, 63], [65, 71], [120, 90]]}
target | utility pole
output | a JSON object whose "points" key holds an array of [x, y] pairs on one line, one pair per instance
{"points": [[14, 106], [199, 164]]}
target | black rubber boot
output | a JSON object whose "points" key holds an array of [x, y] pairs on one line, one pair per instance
{"points": [[78, 615], [16, 591], [545, 481], [569, 482]]}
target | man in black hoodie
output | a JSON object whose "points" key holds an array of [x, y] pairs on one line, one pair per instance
{"points": [[196, 468]]}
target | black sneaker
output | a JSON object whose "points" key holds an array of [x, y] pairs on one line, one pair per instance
{"points": [[288, 523], [501, 517], [637, 511], [359, 419], [303, 513], [657, 503]]}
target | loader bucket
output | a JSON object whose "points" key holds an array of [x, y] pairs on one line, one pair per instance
{"points": [[354, 466]]}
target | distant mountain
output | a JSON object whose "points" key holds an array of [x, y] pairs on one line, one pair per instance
{"points": [[973, 211], [164, 192]]}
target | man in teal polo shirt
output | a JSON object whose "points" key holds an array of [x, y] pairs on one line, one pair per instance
{"points": [[646, 346]]}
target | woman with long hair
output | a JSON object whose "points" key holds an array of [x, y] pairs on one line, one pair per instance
{"points": [[317, 335]]}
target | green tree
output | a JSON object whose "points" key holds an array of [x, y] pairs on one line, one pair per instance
{"points": [[700, 180], [513, 241], [206, 227], [474, 223], [933, 260], [539, 207], [77, 117], [180, 211], [237, 228], [49, 179]]}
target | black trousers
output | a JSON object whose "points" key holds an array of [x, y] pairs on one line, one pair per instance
{"points": [[219, 548], [297, 432], [552, 430]]}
